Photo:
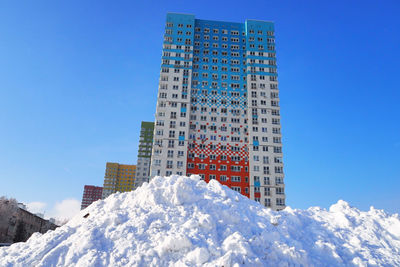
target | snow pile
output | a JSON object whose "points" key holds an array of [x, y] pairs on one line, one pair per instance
{"points": [[180, 221]]}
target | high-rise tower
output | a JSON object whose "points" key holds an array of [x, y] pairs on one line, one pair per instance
{"points": [[218, 112], [144, 153], [91, 194], [118, 178]]}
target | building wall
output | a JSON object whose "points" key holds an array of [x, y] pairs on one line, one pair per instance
{"points": [[144, 153], [218, 131], [118, 178], [18, 225], [218, 106], [91, 194], [265, 148], [171, 132]]}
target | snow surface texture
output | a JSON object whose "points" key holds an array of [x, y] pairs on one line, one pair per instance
{"points": [[180, 221]]}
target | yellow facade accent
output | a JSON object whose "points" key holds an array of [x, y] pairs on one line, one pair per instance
{"points": [[118, 178]]}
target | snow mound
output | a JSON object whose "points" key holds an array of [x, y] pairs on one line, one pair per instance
{"points": [[181, 221]]}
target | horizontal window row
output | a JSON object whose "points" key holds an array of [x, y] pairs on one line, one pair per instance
{"points": [[206, 92], [266, 181], [260, 39], [180, 25], [254, 93], [170, 32], [176, 63], [170, 144], [265, 148], [170, 154], [261, 61], [266, 170], [217, 38], [216, 45], [166, 70], [213, 167], [220, 31], [267, 202], [216, 31], [178, 40], [177, 47], [172, 124], [173, 96]]}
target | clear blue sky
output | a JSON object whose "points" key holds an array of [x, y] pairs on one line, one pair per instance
{"points": [[77, 78]]}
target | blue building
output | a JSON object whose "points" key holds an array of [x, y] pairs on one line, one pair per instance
{"points": [[218, 112]]}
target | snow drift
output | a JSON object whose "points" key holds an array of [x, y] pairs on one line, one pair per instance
{"points": [[181, 221]]}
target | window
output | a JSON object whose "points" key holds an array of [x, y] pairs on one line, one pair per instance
{"points": [[275, 121], [277, 140], [235, 178], [170, 143], [280, 202], [169, 164], [280, 191], [235, 158], [222, 178], [236, 188], [278, 180], [267, 191], [278, 169], [236, 168]]}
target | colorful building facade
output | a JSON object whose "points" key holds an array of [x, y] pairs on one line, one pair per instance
{"points": [[218, 111], [91, 194], [118, 178]]}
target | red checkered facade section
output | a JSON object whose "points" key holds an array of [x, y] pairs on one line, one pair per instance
{"points": [[224, 162], [91, 194]]}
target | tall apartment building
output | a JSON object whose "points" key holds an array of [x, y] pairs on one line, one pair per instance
{"points": [[218, 109], [118, 178], [144, 153], [91, 194]]}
